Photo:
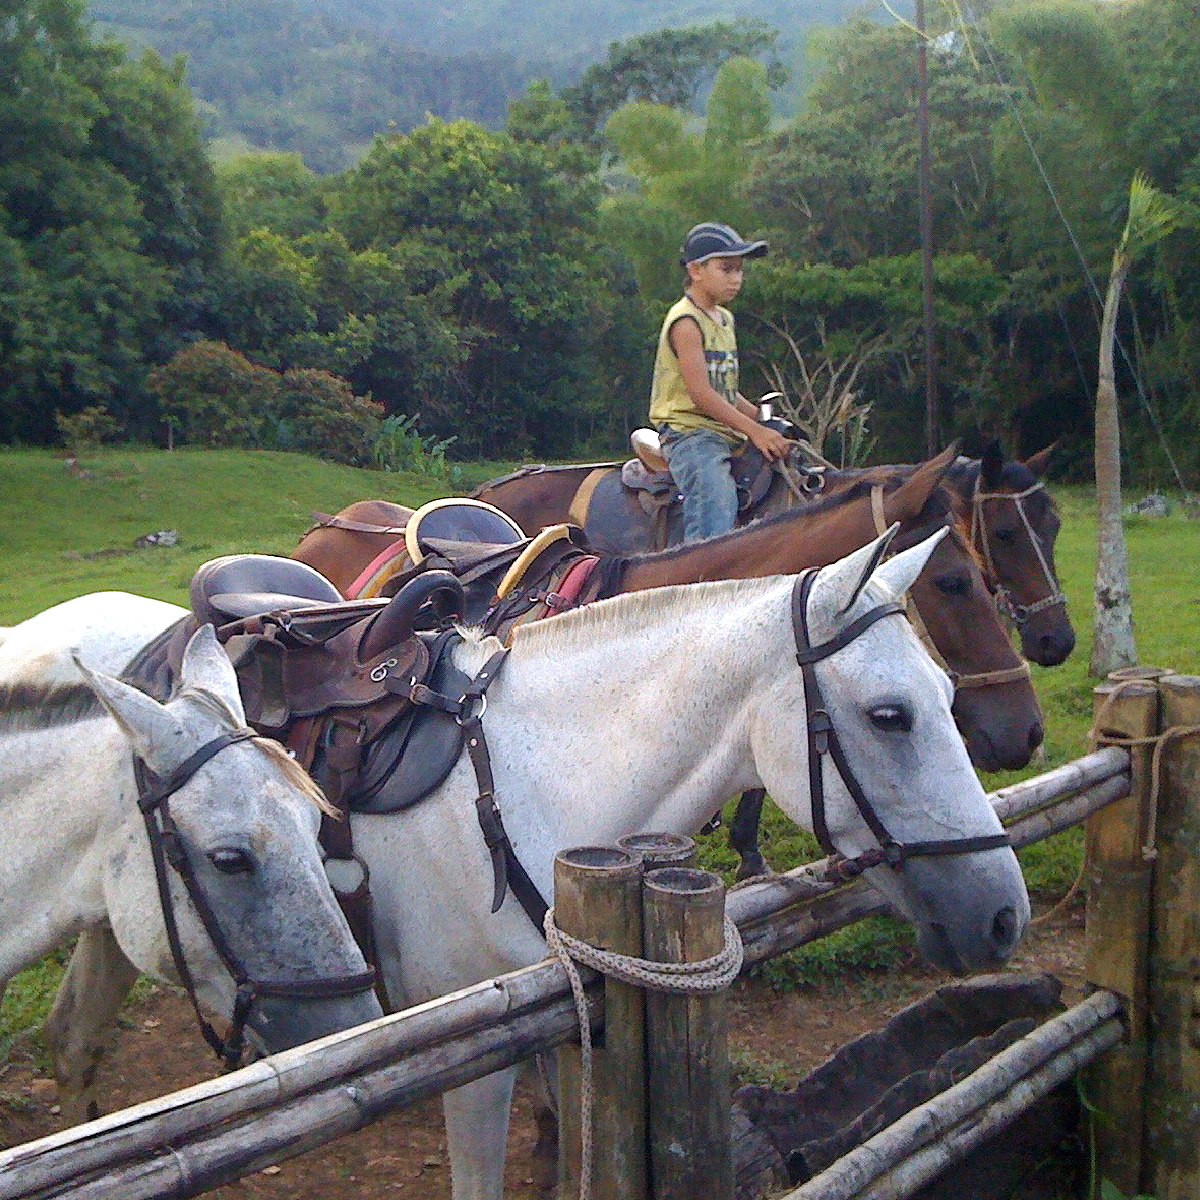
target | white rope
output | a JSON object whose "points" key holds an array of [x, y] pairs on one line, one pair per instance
{"points": [[679, 979]]}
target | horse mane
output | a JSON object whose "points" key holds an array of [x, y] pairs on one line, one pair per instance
{"points": [[582, 627], [291, 770], [26, 706]]}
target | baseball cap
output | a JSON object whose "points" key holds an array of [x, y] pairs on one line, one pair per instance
{"points": [[711, 240]]}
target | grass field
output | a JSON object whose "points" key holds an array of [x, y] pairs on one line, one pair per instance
{"points": [[62, 536]]}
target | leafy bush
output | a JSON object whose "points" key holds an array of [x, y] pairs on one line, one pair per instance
{"points": [[400, 447], [211, 394], [320, 415], [208, 393], [87, 429]]}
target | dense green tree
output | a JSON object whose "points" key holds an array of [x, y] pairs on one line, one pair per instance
{"points": [[667, 67], [504, 219], [270, 191]]}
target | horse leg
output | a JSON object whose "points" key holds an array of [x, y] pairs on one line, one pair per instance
{"points": [[97, 980], [476, 1134], [743, 834]]}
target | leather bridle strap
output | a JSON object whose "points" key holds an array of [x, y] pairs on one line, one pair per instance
{"points": [[166, 846], [1017, 613], [961, 681], [823, 740]]}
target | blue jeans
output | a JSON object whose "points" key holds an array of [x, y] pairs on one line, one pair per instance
{"points": [[699, 462]]}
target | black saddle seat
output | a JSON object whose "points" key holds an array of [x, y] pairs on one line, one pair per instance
{"points": [[245, 585]]}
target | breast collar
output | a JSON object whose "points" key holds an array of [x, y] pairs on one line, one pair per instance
{"points": [[823, 740]]}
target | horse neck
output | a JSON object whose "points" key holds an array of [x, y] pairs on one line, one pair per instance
{"points": [[781, 546], [640, 719]]}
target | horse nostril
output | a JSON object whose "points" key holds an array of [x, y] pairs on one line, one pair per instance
{"points": [[1036, 735], [1005, 929]]}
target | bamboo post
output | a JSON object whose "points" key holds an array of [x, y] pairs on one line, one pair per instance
{"points": [[660, 849], [1173, 1095], [598, 899], [687, 1053], [1117, 939]]}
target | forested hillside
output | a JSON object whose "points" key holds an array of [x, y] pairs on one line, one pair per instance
{"points": [[324, 77], [465, 291]]}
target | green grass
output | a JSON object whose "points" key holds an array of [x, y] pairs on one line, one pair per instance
{"points": [[62, 536]]}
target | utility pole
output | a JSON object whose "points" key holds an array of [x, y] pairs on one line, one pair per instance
{"points": [[932, 434]]}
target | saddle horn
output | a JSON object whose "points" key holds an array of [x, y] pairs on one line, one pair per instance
{"points": [[441, 590]]}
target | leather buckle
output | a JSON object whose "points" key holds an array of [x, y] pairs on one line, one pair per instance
{"points": [[821, 726]]}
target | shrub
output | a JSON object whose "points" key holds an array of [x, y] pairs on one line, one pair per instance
{"points": [[399, 446], [87, 429], [318, 414], [211, 394]]}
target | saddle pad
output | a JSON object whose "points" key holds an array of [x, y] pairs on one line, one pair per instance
{"points": [[533, 551], [383, 567], [460, 520]]}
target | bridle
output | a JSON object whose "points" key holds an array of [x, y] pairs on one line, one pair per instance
{"points": [[1017, 613], [823, 740], [961, 682], [166, 846]]}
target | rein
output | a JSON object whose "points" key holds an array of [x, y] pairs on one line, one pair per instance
{"points": [[1017, 613], [166, 846], [823, 740], [960, 681]]}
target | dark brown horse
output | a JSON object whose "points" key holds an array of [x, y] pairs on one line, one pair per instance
{"points": [[1013, 525], [995, 704]]}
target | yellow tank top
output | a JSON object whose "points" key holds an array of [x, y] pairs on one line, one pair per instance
{"points": [[670, 402]]}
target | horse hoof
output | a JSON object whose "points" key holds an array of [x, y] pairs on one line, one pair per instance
{"points": [[753, 865]]}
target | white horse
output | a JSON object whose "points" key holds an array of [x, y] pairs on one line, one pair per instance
{"points": [[645, 713], [76, 853]]}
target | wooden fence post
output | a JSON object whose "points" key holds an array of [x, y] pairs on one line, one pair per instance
{"points": [[1173, 1094], [687, 1052], [660, 849], [1120, 880], [598, 899]]}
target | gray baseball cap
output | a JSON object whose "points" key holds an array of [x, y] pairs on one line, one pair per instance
{"points": [[711, 240]]}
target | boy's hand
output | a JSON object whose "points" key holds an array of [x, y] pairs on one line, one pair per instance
{"points": [[770, 443]]}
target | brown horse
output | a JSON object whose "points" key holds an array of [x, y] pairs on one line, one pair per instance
{"points": [[995, 704], [1014, 524]]}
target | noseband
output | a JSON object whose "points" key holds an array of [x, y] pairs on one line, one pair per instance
{"points": [[961, 680], [823, 740], [166, 846], [1017, 613]]}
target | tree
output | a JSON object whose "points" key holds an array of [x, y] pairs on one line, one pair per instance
{"points": [[668, 67], [1152, 215]]}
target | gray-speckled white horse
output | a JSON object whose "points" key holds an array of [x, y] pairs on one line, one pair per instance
{"points": [[75, 854], [647, 712]]}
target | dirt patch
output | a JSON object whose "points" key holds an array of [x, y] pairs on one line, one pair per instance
{"points": [[774, 1038]]}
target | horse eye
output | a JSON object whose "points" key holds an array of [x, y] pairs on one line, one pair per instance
{"points": [[953, 585], [1004, 535], [891, 717], [231, 862]]}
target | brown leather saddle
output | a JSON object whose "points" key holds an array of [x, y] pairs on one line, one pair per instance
{"points": [[332, 679], [507, 578]]}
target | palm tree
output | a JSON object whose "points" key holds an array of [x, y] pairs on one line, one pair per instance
{"points": [[1152, 215]]}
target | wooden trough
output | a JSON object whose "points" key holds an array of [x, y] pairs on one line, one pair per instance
{"points": [[1139, 1028]]}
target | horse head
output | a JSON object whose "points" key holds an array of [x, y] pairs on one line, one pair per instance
{"points": [[1015, 525], [888, 707], [237, 820]]}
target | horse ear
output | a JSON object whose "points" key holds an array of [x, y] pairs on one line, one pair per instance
{"points": [[845, 579], [899, 572], [153, 732], [206, 668], [1038, 462], [913, 494], [991, 465]]}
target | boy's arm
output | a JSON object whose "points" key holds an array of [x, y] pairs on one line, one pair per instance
{"points": [[688, 344]]}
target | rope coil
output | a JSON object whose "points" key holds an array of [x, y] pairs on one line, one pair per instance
{"points": [[704, 977]]}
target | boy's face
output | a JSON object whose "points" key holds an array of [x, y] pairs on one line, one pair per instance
{"points": [[721, 278]]}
